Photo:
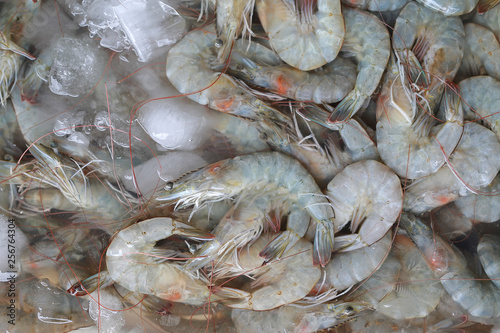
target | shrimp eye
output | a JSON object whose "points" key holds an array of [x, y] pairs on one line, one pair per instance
{"points": [[169, 185], [263, 136], [53, 144], [240, 67], [8, 157], [218, 43], [349, 309]]}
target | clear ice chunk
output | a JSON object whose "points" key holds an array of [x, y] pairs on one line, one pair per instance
{"points": [[77, 67], [149, 25]]}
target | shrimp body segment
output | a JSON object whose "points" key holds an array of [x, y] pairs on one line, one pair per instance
{"points": [[267, 172], [369, 196], [450, 7], [302, 39], [488, 250], [481, 53], [133, 263], [367, 41], [482, 96], [484, 207]]}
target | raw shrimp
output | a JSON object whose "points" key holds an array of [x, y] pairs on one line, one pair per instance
{"points": [[367, 41], [133, 262], [488, 250], [267, 172], [280, 282], [468, 169], [84, 193], [479, 298], [232, 17], [369, 196], [13, 13], [376, 5], [189, 70], [431, 46], [328, 84], [404, 287], [410, 141], [482, 207], [243, 224], [481, 53], [482, 96], [450, 7], [296, 319], [303, 40], [348, 268]]}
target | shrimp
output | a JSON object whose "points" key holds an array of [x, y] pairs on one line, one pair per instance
{"points": [[481, 53], [295, 319], [142, 271], [488, 250], [302, 39], [189, 72], [348, 268], [482, 96], [328, 84], [13, 13], [451, 223], [468, 169], [267, 172], [483, 207], [367, 40], [80, 191], [369, 196], [409, 140], [480, 298], [243, 224], [396, 290], [232, 17], [280, 282], [431, 45], [450, 7]]}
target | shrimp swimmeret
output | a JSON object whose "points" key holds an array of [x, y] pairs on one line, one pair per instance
{"points": [[270, 172]]}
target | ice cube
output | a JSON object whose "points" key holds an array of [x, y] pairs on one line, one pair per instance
{"points": [[149, 25], [107, 313], [78, 65], [174, 126]]}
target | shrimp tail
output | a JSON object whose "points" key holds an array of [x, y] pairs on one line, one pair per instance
{"points": [[279, 245], [484, 5], [6, 44], [323, 243], [347, 107], [203, 256], [90, 284], [316, 114], [193, 233]]}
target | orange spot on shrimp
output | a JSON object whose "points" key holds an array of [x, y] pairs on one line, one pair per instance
{"points": [[214, 168], [173, 296], [282, 84], [225, 105]]}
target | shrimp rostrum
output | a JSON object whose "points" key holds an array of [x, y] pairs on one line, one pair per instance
{"points": [[268, 172]]}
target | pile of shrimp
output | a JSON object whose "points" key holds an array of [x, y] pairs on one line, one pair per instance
{"points": [[270, 166]]}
